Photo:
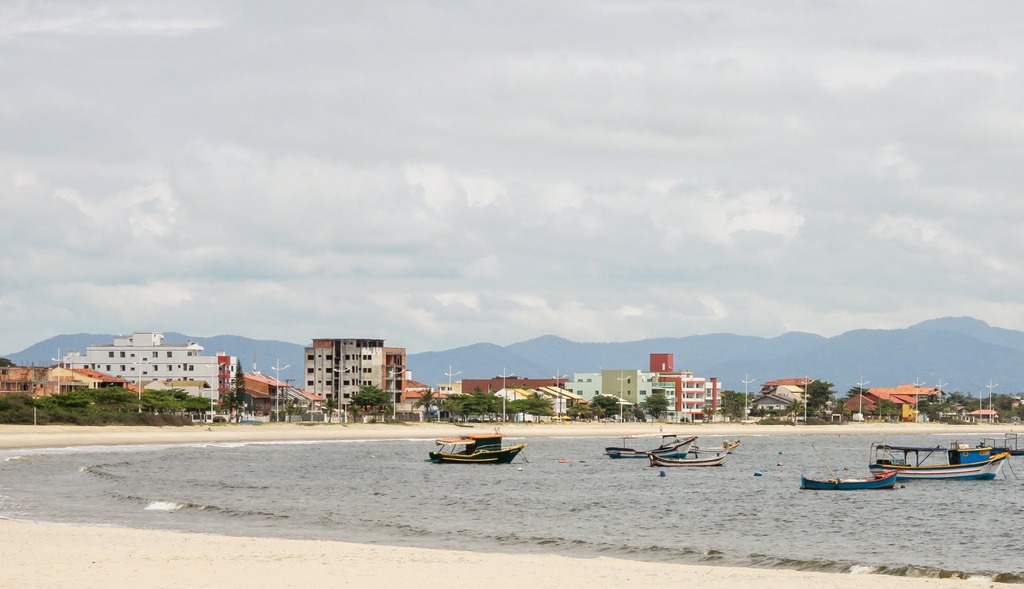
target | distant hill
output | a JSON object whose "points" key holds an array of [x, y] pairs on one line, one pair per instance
{"points": [[965, 353]]}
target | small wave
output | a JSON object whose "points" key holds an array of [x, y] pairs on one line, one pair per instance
{"points": [[163, 506]]}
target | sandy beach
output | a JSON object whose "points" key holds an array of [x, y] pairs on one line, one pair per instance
{"points": [[51, 555]]}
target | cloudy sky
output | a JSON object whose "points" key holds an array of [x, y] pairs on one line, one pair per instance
{"points": [[444, 173]]}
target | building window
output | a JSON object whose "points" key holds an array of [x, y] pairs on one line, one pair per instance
{"points": [[110, 354], [122, 354]]}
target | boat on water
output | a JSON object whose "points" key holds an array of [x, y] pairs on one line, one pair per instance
{"points": [[727, 446], [475, 449], [672, 446], [1007, 443], [716, 460], [879, 480], [959, 461]]}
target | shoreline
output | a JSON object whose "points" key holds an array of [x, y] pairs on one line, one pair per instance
{"points": [[85, 556], [61, 436]]}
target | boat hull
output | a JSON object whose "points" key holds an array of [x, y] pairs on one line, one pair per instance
{"points": [[882, 480], [502, 456], [979, 471], [656, 460], [676, 450]]}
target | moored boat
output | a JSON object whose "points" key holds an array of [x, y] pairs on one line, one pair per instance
{"points": [[716, 460], [958, 461], [475, 449], [1008, 443], [726, 446], [672, 446], [880, 480]]}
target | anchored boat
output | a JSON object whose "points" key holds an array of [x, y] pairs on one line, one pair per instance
{"points": [[475, 449], [958, 461], [672, 446]]}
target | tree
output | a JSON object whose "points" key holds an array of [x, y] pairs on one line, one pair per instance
{"points": [[4, 362], [605, 405], [330, 404], [655, 404], [371, 398], [734, 405], [819, 393], [426, 400]]}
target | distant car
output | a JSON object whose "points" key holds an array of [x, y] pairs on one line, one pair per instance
{"points": [[219, 419]]}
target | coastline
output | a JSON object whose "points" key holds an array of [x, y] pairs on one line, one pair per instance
{"points": [[59, 436], [64, 556]]}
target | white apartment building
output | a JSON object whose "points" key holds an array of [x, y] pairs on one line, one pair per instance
{"points": [[143, 357]]}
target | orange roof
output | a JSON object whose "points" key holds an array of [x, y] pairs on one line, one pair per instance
{"points": [[102, 376]]}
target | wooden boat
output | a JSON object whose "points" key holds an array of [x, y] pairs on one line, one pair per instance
{"points": [[715, 460], [475, 449], [881, 480], [726, 446], [672, 446], [1007, 443], [958, 461]]}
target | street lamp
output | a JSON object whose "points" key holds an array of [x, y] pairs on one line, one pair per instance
{"points": [[56, 371], [860, 397], [139, 364], [393, 374], [990, 387], [621, 378], [807, 392], [277, 398], [449, 374], [504, 391], [746, 399]]}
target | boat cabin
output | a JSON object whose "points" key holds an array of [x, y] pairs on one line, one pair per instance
{"points": [[957, 454]]}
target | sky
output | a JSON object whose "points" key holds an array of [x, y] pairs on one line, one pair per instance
{"points": [[439, 174]]}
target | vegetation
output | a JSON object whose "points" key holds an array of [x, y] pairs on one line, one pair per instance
{"points": [[106, 406], [656, 404]]}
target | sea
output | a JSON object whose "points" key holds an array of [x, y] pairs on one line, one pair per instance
{"points": [[561, 495]]}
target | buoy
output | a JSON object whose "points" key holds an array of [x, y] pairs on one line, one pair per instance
{"points": [[520, 468], [758, 474], [661, 473], [779, 464]]}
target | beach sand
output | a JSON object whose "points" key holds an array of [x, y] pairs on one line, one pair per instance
{"points": [[37, 555]]}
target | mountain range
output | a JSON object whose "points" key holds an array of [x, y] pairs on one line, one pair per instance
{"points": [[957, 353]]}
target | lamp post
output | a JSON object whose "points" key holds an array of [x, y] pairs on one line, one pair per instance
{"points": [[277, 368], [860, 397], [561, 398], [621, 378], [917, 395], [807, 392], [56, 371], [393, 374], [449, 374], [139, 364], [746, 398], [504, 391], [990, 387]]}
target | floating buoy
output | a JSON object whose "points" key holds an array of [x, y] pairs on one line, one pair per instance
{"points": [[520, 468], [661, 473], [758, 474], [779, 464]]}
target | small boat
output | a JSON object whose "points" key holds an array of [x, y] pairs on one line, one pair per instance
{"points": [[726, 446], [475, 448], [881, 480], [958, 461], [1007, 443], [672, 446], [715, 460]]}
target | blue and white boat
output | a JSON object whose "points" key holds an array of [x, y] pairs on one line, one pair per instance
{"points": [[957, 462]]}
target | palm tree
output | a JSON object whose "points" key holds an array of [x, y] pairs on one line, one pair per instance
{"points": [[425, 401]]}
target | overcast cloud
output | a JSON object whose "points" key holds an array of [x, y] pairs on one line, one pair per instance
{"points": [[444, 173]]}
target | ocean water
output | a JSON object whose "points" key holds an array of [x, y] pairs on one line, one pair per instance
{"points": [[561, 495]]}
